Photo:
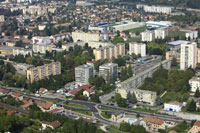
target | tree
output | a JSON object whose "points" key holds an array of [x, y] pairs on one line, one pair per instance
{"points": [[125, 127], [192, 106], [138, 115], [130, 71], [159, 101], [197, 93], [131, 98], [174, 62]]}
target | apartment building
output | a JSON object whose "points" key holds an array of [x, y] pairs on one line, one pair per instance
{"points": [[96, 45], [108, 52], [194, 84], [41, 40], [188, 55], [2, 19], [137, 48], [161, 33], [89, 36], [155, 9], [44, 71], [22, 51], [38, 10], [191, 35], [82, 74], [148, 36], [108, 71], [42, 48]]}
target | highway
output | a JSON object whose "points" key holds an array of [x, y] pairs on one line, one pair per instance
{"points": [[92, 108]]}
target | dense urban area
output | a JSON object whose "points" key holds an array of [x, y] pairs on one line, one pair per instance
{"points": [[95, 66]]}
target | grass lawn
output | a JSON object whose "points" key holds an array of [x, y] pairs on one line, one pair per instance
{"points": [[133, 40], [138, 30], [173, 96], [176, 33], [113, 131], [106, 116], [54, 100], [77, 105], [106, 109], [145, 110], [83, 112]]}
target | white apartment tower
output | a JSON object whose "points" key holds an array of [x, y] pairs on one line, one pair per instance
{"points": [[82, 74], [137, 48], [188, 55], [161, 33], [148, 36], [108, 71]]}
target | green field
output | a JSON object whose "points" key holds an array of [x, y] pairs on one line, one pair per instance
{"points": [[83, 112], [106, 116], [145, 110], [77, 105], [138, 30], [177, 33], [173, 96], [133, 40]]}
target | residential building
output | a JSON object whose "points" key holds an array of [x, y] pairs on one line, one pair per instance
{"points": [[95, 44], [56, 38], [45, 106], [109, 51], [22, 51], [41, 27], [42, 40], [137, 48], [195, 128], [161, 33], [194, 84], [117, 115], [52, 125], [2, 18], [88, 92], [198, 59], [188, 55], [153, 124], [82, 74], [21, 68], [10, 43], [41, 72], [148, 36], [109, 72], [86, 36], [173, 106], [191, 35], [42, 48], [18, 96], [169, 55], [155, 9]]}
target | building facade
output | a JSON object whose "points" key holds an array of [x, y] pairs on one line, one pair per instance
{"points": [[41, 72], [188, 55], [161, 33], [109, 51], [82, 74], [108, 71], [23, 52], [42, 48], [137, 48], [148, 36], [2, 19], [194, 84], [173, 106]]}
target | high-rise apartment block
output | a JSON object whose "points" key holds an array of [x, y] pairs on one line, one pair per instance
{"points": [[41, 72], [108, 52], [108, 71], [137, 48], [188, 57], [161, 33], [82, 74], [148, 36]]}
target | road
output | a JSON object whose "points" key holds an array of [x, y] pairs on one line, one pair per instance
{"points": [[96, 112]]}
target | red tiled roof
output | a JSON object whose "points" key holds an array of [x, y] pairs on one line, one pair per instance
{"points": [[89, 90], [5, 91], [51, 91], [42, 89], [55, 111], [153, 120], [85, 86], [54, 124], [17, 94], [26, 105], [197, 123], [74, 91], [9, 112], [175, 103], [44, 105]]}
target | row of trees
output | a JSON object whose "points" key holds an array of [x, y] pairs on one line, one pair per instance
{"points": [[126, 73], [126, 127]]}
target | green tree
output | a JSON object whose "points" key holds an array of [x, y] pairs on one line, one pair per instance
{"points": [[130, 71], [192, 106], [197, 93]]}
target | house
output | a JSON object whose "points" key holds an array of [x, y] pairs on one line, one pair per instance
{"points": [[117, 115], [43, 90], [195, 128], [52, 125], [4, 91], [26, 105], [198, 103], [173, 106], [57, 111], [152, 123], [18, 96], [88, 92], [84, 87], [45, 106]]}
